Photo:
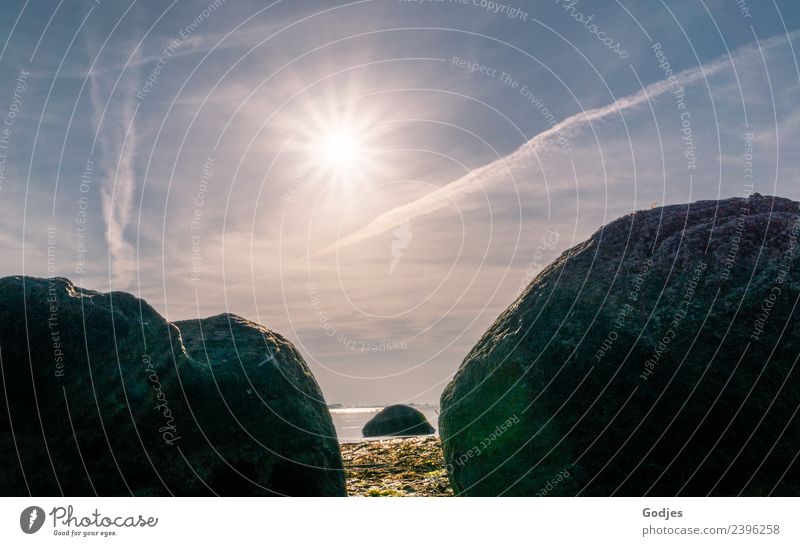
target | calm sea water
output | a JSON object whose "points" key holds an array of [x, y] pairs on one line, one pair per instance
{"points": [[350, 421]]}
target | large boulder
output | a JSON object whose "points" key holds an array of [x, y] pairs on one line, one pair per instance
{"points": [[397, 420], [656, 358], [105, 397], [263, 407]]}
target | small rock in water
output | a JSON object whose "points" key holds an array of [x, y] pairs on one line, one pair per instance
{"points": [[398, 420]]}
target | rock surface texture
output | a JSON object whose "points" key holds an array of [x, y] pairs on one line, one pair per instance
{"points": [[106, 397], [397, 420], [657, 358]]}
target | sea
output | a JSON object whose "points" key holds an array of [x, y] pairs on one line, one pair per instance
{"points": [[349, 421]]}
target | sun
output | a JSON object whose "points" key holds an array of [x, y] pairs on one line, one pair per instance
{"points": [[339, 144], [341, 148], [340, 152]]}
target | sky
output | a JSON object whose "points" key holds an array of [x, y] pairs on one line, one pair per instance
{"points": [[375, 180]]}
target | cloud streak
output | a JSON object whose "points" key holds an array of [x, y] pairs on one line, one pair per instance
{"points": [[117, 144], [478, 179]]}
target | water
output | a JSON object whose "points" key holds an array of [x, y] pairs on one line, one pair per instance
{"points": [[350, 421]]}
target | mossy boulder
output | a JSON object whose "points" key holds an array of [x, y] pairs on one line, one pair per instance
{"points": [[106, 397], [656, 358]]}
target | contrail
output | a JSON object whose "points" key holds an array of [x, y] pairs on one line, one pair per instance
{"points": [[118, 145], [471, 182]]}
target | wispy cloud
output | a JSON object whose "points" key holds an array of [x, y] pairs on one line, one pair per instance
{"points": [[493, 172], [402, 238], [117, 142]]}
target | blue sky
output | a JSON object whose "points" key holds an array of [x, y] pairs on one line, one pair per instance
{"points": [[192, 153]]}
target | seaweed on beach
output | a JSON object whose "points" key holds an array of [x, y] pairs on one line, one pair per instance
{"points": [[400, 467]]}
